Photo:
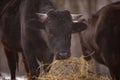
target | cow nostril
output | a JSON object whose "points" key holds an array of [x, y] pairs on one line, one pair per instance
{"points": [[64, 55]]}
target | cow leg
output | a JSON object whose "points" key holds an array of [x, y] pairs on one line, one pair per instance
{"points": [[33, 67], [32, 64], [25, 63], [12, 59]]}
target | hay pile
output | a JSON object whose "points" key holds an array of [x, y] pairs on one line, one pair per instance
{"points": [[71, 69]]}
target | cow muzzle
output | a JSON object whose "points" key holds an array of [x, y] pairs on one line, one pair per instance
{"points": [[62, 55]]}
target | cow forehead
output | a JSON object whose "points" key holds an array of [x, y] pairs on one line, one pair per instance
{"points": [[59, 15], [59, 21], [59, 25]]}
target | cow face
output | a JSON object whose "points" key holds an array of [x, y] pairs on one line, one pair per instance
{"points": [[58, 28]]}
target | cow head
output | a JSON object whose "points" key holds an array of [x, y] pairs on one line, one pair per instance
{"points": [[58, 27]]}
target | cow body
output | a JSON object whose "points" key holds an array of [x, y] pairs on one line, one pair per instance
{"points": [[37, 39], [102, 37], [10, 34]]}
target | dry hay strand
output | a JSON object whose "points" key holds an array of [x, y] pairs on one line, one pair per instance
{"points": [[70, 69]]}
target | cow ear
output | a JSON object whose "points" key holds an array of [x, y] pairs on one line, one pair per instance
{"points": [[78, 27]]}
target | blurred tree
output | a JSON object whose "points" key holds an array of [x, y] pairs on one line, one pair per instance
{"points": [[71, 5]]}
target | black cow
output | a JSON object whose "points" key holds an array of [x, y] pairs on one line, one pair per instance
{"points": [[101, 39], [38, 37]]}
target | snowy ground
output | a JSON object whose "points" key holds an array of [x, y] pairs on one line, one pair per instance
{"points": [[7, 77]]}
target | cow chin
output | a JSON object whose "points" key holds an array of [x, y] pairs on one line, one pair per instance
{"points": [[62, 55]]}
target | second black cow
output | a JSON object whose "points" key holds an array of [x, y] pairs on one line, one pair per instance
{"points": [[101, 39]]}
